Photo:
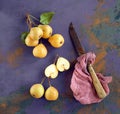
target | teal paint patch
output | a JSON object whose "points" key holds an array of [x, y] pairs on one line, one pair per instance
{"points": [[106, 33], [13, 101], [61, 106], [109, 31], [21, 112], [112, 101], [117, 10], [55, 107], [117, 16]]}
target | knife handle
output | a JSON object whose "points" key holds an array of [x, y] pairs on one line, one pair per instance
{"points": [[98, 87]]}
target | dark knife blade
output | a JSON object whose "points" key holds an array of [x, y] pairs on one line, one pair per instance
{"points": [[75, 40]]}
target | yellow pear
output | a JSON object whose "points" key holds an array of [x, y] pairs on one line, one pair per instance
{"points": [[37, 90], [51, 71], [36, 33], [30, 42], [56, 40], [47, 30], [40, 51], [51, 94]]}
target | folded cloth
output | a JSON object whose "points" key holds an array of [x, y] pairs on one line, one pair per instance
{"points": [[81, 82]]}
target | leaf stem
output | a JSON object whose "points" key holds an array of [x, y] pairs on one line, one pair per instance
{"points": [[29, 21]]}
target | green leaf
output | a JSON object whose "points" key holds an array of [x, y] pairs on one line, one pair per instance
{"points": [[23, 36], [45, 18]]}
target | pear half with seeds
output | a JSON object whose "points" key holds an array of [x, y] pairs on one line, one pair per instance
{"points": [[51, 71], [62, 64]]}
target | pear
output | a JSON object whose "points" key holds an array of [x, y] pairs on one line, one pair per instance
{"points": [[30, 42], [36, 33], [40, 51], [62, 64], [56, 40], [51, 71], [51, 94], [47, 30], [37, 90]]}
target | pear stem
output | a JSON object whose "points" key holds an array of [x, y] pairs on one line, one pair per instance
{"points": [[49, 81], [43, 80], [56, 58], [40, 41], [34, 18], [29, 20]]}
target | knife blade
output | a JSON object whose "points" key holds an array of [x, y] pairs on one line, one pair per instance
{"points": [[75, 40], [79, 49]]}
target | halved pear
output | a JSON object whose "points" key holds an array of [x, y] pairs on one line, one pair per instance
{"points": [[51, 71], [62, 64]]}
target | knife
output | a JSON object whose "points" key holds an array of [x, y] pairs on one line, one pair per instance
{"points": [[79, 49]]}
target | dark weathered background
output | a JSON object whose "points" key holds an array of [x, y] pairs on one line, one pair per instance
{"points": [[97, 23]]}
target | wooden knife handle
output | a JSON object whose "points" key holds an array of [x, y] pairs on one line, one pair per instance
{"points": [[98, 87]]}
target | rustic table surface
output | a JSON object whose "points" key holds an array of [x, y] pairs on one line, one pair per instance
{"points": [[97, 22]]}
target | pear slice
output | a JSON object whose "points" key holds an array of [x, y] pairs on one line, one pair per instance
{"points": [[51, 71], [62, 64]]}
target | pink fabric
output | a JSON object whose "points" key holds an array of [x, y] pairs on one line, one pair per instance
{"points": [[81, 82]]}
